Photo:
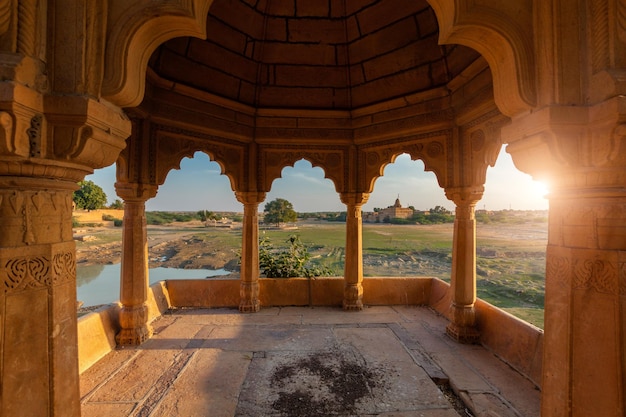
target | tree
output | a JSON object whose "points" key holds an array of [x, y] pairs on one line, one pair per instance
{"points": [[117, 204], [89, 196], [279, 211]]}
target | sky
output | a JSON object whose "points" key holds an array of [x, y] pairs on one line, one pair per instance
{"points": [[198, 185]]}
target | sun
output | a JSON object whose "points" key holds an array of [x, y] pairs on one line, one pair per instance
{"points": [[540, 188]]}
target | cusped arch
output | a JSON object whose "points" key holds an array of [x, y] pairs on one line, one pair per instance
{"points": [[331, 162], [502, 36], [433, 153], [135, 30], [170, 154]]}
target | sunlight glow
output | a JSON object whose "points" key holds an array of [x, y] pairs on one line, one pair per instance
{"points": [[540, 188]]}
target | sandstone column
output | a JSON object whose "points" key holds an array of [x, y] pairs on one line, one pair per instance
{"points": [[582, 152], [353, 270], [249, 290], [463, 280], [39, 367], [134, 278]]}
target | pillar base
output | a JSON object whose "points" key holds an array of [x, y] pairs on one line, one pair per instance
{"points": [[133, 337], [353, 297], [250, 307], [463, 334], [352, 305], [135, 328], [249, 297]]}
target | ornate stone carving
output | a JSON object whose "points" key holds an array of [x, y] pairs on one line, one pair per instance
{"points": [[7, 132], [558, 269], [175, 144], [5, 16], [27, 27], [24, 273], [39, 271], [34, 136], [64, 267], [621, 21], [274, 158], [430, 148], [596, 274]]}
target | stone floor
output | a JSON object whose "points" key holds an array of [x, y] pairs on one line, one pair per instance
{"points": [[297, 361]]}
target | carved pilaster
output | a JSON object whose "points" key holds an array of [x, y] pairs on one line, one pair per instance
{"points": [[463, 280], [249, 289], [353, 273]]}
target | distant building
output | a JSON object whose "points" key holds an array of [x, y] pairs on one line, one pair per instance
{"points": [[387, 214]]}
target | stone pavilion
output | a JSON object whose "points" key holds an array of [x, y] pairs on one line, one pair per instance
{"points": [[347, 85]]}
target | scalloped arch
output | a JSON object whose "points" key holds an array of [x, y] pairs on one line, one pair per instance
{"points": [[502, 38], [415, 156], [132, 38], [174, 161], [275, 171]]}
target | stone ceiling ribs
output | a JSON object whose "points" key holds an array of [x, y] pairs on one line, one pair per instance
{"points": [[338, 54]]}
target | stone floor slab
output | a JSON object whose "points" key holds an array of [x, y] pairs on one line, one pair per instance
{"points": [[107, 409], [208, 386], [246, 365], [251, 338]]}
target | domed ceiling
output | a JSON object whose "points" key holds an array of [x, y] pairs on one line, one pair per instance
{"points": [[314, 54]]}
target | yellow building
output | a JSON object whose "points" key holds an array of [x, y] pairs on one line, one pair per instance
{"points": [[396, 211]]}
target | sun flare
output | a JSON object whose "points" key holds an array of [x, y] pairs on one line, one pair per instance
{"points": [[540, 188]]}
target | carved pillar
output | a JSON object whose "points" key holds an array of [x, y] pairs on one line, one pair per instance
{"points": [[134, 278], [38, 341], [582, 153], [249, 290], [463, 280], [353, 270]]}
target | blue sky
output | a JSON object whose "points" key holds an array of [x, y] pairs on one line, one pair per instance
{"points": [[199, 185]]}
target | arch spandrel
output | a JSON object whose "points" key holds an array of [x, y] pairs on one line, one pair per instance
{"points": [[274, 160], [135, 30], [433, 152], [500, 33]]}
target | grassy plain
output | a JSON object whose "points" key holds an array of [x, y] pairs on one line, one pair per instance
{"points": [[510, 255]]}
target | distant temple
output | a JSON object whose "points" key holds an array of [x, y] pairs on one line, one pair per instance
{"points": [[387, 214]]}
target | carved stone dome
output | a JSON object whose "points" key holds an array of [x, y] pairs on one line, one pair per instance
{"points": [[303, 54]]}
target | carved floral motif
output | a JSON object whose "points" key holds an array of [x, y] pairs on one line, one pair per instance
{"points": [[23, 273], [558, 269], [595, 274]]}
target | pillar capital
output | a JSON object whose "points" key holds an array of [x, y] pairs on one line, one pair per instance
{"points": [[138, 192], [354, 198], [464, 196], [250, 197]]}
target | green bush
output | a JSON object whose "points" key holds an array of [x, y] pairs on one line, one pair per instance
{"points": [[294, 261], [117, 222]]}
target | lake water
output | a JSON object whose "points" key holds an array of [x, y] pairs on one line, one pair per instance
{"points": [[100, 284]]}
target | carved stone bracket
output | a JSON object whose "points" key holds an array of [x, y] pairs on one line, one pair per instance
{"points": [[84, 131], [572, 147]]}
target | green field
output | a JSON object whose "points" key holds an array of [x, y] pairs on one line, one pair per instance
{"points": [[510, 265], [510, 257]]}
